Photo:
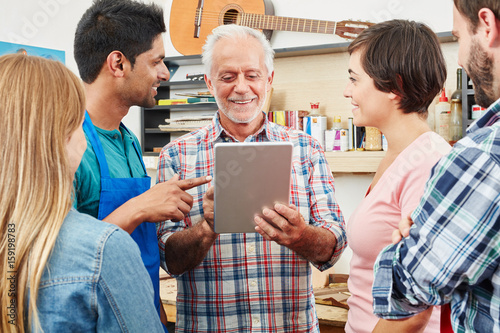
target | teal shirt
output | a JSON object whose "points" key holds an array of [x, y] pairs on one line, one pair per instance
{"points": [[123, 162]]}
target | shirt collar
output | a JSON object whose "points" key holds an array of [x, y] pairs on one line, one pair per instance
{"points": [[491, 116]]}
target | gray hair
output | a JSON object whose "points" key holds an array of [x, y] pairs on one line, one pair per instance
{"points": [[235, 31]]}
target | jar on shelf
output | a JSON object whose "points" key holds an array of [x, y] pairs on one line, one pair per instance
{"points": [[373, 138]]}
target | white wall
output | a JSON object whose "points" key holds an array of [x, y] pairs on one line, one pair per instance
{"points": [[52, 23], [437, 14]]}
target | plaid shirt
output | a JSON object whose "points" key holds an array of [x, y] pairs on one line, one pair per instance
{"points": [[453, 252], [246, 283]]}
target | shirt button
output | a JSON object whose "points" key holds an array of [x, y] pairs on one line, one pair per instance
{"points": [[251, 248], [253, 283], [256, 320], [115, 136]]}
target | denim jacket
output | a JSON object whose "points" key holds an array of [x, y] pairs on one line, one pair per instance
{"points": [[95, 281]]}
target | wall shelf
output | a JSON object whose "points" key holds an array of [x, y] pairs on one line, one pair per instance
{"points": [[152, 137], [354, 161], [185, 107], [339, 162]]}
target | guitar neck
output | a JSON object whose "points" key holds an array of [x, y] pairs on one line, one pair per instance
{"points": [[269, 22]]}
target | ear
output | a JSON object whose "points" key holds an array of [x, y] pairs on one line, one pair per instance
{"points": [[490, 26], [270, 81], [209, 85], [393, 96], [116, 63]]}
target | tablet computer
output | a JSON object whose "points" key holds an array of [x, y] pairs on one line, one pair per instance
{"points": [[249, 177]]}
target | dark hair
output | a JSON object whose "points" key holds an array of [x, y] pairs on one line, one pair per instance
{"points": [[405, 58], [115, 25], [470, 9]]}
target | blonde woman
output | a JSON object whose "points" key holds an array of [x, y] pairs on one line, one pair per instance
{"points": [[62, 271]]}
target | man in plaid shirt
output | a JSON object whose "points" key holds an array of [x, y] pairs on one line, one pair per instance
{"points": [[452, 254], [252, 282]]}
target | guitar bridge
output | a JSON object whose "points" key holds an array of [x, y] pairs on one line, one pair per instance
{"points": [[197, 19]]}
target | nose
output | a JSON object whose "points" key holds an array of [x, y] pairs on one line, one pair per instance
{"points": [[241, 85], [347, 91], [164, 73]]}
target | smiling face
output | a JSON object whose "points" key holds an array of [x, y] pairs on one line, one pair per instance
{"points": [[475, 60], [145, 77], [239, 79], [371, 107]]}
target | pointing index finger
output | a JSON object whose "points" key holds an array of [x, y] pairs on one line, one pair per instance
{"points": [[187, 184]]}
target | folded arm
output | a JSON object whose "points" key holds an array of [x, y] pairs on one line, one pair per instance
{"points": [[415, 324], [453, 243]]}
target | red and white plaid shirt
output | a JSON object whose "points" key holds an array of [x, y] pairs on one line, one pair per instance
{"points": [[246, 283]]}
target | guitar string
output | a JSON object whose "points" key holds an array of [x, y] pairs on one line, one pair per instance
{"points": [[214, 16], [359, 24], [350, 29]]}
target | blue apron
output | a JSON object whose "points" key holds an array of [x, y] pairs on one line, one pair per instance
{"points": [[117, 191]]}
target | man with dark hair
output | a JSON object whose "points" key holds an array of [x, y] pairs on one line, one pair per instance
{"points": [[451, 255], [119, 51], [127, 26]]}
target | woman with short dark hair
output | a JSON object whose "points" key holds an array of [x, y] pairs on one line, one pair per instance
{"points": [[396, 69]]}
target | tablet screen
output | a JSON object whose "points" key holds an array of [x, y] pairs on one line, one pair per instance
{"points": [[249, 177]]}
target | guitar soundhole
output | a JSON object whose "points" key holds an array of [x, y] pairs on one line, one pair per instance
{"points": [[231, 17]]}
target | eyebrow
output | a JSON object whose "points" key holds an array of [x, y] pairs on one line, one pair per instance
{"points": [[351, 71]]}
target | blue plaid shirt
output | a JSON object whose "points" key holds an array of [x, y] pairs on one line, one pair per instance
{"points": [[246, 283], [453, 252]]}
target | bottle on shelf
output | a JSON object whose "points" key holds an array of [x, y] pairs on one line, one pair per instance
{"points": [[456, 111], [329, 139], [384, 143], [337, 126], [315, 125], [373, 139], [455, 121], [443, 109], [457, 94]]}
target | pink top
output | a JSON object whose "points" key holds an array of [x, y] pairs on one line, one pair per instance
{"points": [[370, 226]]}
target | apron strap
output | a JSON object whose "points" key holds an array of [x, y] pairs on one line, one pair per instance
{"points": [[139, 156], [89, 129]]}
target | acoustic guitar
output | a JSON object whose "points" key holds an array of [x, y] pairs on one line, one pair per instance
{"points": [[191, 21]]}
